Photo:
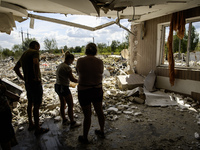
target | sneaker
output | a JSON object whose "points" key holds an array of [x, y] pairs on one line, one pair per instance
{"points": [[66, 122], [99, 133], [83, 140], [75, 124]]}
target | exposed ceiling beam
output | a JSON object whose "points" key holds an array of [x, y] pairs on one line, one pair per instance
{"points": [[105, 25], [78, 25], [60, 22]]}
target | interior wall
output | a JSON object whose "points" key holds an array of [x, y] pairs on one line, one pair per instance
{"points": [[144, 50], [143, 44]]}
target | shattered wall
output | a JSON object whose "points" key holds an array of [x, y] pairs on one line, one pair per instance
{"points": [[133, 43], [144, 45]]}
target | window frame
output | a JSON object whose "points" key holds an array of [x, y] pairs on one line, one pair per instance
{"points": [[161, 43]]}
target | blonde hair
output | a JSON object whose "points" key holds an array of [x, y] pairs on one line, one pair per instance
{"points": [[68, 55]]}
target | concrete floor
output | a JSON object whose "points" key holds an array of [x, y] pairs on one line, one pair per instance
{"points": [[163, 128]]}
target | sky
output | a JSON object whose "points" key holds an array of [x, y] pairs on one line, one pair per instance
{"points": [[66, 35]]}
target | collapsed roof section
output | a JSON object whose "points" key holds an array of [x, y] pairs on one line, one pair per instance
{"points": [[133, 10]]}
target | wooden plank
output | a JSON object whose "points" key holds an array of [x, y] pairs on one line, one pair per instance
{"points": [[11, 96]]}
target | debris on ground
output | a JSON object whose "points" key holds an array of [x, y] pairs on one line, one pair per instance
{"points": [[122, 91]]}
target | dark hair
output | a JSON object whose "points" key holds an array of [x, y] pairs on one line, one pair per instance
{"points": [[32, 44], [68, 56], [91, 49]]}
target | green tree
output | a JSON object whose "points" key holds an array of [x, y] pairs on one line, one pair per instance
{"points": [[17, 47], [65, 48], [71, 49], [176, 43], [77, 49], [56, 51], [194, 38], [82, 49], [26, 42], [50, 44], [114, 45], [123, 45], [6, 52], [101, 47], [194, 41]]}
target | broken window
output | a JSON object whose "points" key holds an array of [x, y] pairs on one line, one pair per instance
{"points": [[187, 50]]}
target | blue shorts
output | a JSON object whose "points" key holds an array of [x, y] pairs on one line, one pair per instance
{"points": [[62, 90], [88, 96], [34, 92]]}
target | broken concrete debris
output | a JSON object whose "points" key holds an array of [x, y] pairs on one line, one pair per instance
{"points": [[130, 81], [122, 91], [196, 135]]}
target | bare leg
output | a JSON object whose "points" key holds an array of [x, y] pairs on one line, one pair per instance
{"points": [[70, 104], [29, 112], [36, 115], [62, 107], [38, 130], [87, 120], [99, 111]]}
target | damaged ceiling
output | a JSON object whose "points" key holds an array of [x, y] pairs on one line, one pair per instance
{"points": [[133, 10]]}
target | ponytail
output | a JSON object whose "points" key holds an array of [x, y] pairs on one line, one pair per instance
{"points": [[68, 55]]}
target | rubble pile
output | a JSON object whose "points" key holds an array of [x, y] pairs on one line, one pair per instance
{"points": [[48, 56], [180, 59], [116, 102], [115, 65]]}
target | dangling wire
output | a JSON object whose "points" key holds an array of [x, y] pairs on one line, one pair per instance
{"points": [[133, 13], [118, 19], [121, 26]]}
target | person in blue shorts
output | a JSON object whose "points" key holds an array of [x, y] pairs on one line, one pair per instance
{"points": [[63, 77]]}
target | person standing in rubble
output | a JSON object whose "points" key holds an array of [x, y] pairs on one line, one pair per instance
{"points": [[7, 134], [63, 77], [90, 70], [29, 62]]}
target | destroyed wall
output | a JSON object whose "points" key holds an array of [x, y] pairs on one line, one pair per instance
{"points": [[143, 54], [143, 45]]}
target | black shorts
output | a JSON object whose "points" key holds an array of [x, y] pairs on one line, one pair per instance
{"points": [[62, 90], [34, 92], [6, 128], [88, 96]]}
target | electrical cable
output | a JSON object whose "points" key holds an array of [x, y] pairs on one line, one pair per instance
{"points": [[133, 12]]}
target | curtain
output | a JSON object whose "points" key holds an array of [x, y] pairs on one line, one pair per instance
{"points": [[178, 24]]}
